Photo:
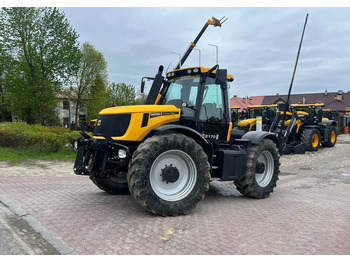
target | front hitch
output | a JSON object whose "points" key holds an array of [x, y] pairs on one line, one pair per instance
{"points": [[99, 156]]}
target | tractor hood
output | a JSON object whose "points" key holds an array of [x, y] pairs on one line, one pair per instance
{"points": [[245, 122], [139, 109], [133, 123]]}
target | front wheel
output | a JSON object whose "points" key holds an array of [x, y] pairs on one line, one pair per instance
{"points": [[111, 185], [169, 174], [312, 138], [262, 171]]}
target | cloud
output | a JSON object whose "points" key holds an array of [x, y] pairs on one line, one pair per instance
{"points": [[257, 45]]}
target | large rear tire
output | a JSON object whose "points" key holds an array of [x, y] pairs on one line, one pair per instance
{"points": [[262, 171], [169, 174], [311, 137], [332, 136]]}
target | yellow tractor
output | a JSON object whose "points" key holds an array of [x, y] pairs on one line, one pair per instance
{"points": [[312, 128], [307, 128], [166, 152], [266, 112]]}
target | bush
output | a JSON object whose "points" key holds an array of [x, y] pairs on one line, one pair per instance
{"points": [[37, 138]]}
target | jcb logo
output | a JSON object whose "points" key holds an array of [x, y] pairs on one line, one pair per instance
{"points": [[99, 122]]}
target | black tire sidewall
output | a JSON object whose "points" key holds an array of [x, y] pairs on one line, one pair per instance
{"points": [[140, 167], [306, 138], [248, 185], [330, 129], [110, 186]]}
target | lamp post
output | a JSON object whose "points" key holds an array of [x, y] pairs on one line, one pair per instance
{"points": [[179, 56], [217, 53], [199, 51]]}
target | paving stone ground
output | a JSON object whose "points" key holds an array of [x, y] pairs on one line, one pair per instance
{"points": [[308, 213]]}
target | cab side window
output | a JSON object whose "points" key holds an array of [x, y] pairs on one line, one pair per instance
{"points": [[212, 106]]}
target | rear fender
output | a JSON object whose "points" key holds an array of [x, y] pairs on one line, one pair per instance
{"points": [[330, 122]]}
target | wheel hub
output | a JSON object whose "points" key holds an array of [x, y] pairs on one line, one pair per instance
{"points": [[259, 168], [170, 174]]}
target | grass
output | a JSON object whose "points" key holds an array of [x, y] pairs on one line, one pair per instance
{"points": [[20, 141], [17, 155]]}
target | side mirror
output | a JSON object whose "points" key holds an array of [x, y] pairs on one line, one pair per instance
{"points": [[142, 86], [221, 76]]}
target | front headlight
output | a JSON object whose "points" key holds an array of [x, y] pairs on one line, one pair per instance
{"points": [[121, 153], [75, 145]]}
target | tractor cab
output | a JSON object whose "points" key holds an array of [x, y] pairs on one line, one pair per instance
{"points": [[310, 113], [327, 114], [266, 112], [202, 95]]}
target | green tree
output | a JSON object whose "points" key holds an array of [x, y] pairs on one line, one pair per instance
{"points": [[45, 52], [120, 94], [3, 92], [140, 98], [93, 68], [97, 98]]}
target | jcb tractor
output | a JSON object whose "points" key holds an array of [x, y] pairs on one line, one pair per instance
{"points": [[311, 128], [166, 152], [266, 112], [306, 128]]}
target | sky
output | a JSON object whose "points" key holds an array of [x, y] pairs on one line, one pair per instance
{"points": [[257, 45]]}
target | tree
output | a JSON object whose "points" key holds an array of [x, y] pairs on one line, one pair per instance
{"points": [[120, 94], [141, 98], [97, 98], [3, 93], [93, 68], [45, 53]]}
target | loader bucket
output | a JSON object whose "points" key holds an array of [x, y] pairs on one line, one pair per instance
{"points": [[295, 148]]}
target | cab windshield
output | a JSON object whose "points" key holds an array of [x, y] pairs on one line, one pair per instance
{"points": [[256, 112], [182, 93]]}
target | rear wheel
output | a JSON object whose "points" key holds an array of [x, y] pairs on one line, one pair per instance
{"points": [[169, 174], [311, 137], [262, 171], [332, 136]]}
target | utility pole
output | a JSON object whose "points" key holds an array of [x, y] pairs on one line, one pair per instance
{"points": [[179, 57], [217, 53], [199, 51]]}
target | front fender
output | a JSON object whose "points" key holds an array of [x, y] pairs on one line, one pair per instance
{"points": [[171, 128], [257, 136]]}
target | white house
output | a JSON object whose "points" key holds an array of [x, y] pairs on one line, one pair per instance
{"points": [[66, 110]]}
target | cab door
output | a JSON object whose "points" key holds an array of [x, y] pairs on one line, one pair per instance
{"points": [[213, 113]]}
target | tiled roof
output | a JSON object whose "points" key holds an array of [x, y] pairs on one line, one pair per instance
{"points": [[327, 98], [245, 102]]}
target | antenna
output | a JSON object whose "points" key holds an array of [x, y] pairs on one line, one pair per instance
{"points": [[295, 68]]}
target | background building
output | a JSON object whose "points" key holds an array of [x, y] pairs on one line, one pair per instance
{"points": [[66, 111]]}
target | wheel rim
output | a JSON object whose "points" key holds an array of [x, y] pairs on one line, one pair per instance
{"points": [[263, 177], [333, 136], [185, 182], [315, 140]]}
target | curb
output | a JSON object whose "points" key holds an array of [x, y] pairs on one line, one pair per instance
{"points": [[57, 243]]}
